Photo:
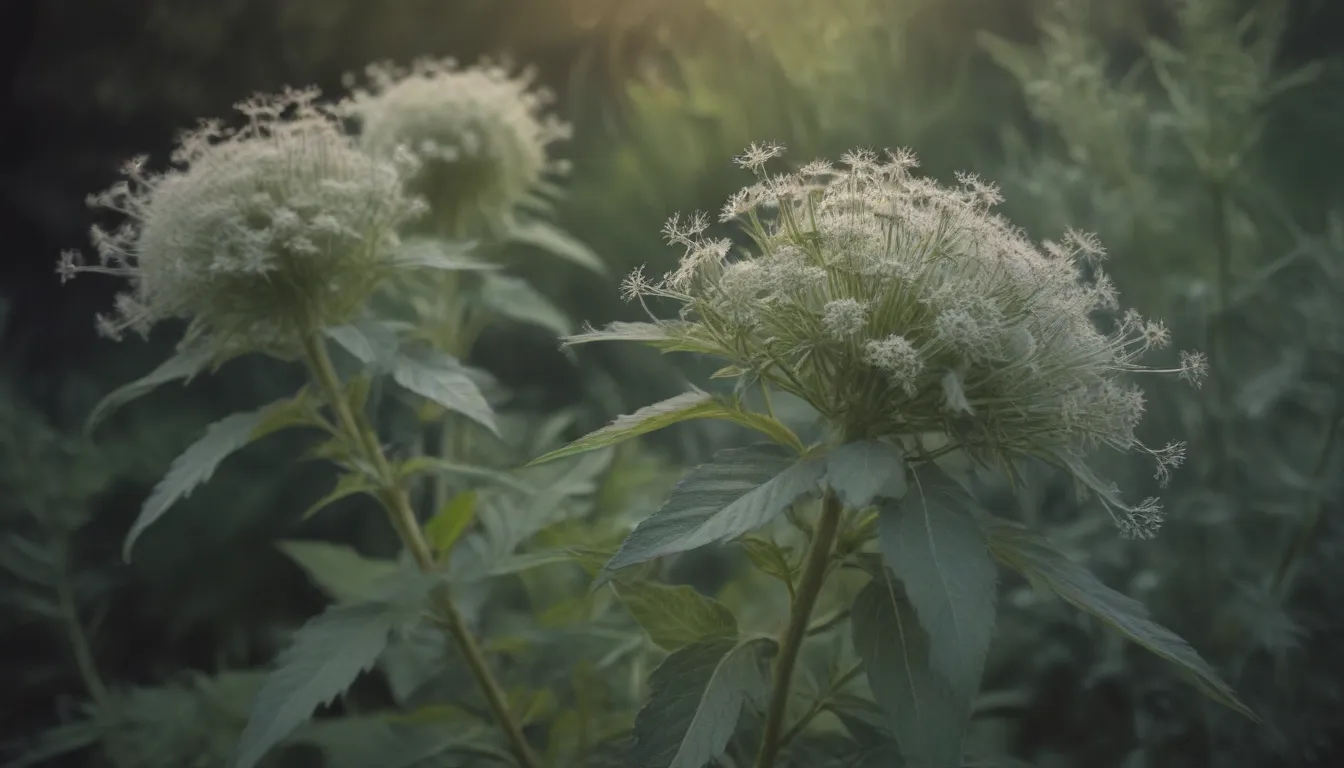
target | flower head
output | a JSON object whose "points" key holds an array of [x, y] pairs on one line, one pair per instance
{"points": [[898, 307], [480, 134], [255, 234]]}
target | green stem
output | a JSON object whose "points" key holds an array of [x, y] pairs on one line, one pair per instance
{"points": [[805, 599], [820, 704], [403, 520], [1312, 517], [79, 640]]}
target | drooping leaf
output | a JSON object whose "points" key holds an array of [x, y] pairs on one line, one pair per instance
{"points": [[1032, 555], [551, 239], [928, 718], [676, 616], [197, 463], [515, 298], [439, 377], [326, 656], [184, 364], [341, 572], [938, 551], [861, 472], [347, 484], [430, 253], [696, 698], [739, 490], [449, 523]]}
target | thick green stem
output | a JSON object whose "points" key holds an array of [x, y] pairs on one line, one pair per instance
{"points": [[79, 640], [403, 520], [800, 613]]}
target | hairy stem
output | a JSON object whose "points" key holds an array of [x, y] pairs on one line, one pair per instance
{"points": [[408, 529], [800, 613]]}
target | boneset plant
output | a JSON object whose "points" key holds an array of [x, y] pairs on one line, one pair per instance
{"points": [[922, 328], [274, 238]]}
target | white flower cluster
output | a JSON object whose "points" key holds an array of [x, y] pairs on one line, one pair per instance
{"points": [[255, 234], [481, 136], [898, 307]]}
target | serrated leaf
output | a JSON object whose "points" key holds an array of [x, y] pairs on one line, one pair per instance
{"points": [[740, 490], [449, 523], [344, 574], [196, 464], [938, 551], [429, 253], [441, 378], [696, 698], [1032, 555], [665, 335], [688, 405], [515, 298], [770, 558], [675, 617], [184, 364], [928, 718], [371, 342], [436, 465], [547, 237], [863, 471], [347, 484], [326, 656]]}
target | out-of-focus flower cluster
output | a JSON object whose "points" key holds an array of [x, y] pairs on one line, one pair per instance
{"points": [[900, 308], [255, 234], [480, 133]]}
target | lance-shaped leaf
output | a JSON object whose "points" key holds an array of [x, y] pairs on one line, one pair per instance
{"points": [[695, 404], [938, 551], [326, 656], [184, 364], [675, 617], [436, 465], [555, 241], [344, 574], [1032, 555], [516, 299], [739, 490], [439, 377], [200, 460], [927, 717], [864, 471], [371, 342], [695, 701], [429, 253], [664, 335], [347, 485]]}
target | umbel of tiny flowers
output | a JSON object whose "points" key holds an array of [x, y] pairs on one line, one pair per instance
{"points": [[480, 133], [256, 235], [900, 308]]}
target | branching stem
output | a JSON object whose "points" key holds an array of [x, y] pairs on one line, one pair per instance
{"points": [[800, 613], [403, 520]]}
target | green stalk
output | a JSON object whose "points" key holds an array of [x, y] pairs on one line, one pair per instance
{"points": [[79, 640], [800, 613], [403, 520]]}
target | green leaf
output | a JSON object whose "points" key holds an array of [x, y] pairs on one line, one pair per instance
{"points": [[740, 490], [347, 484], [551, 239], [360, 741], [696, 698], [429, 253], [449, 523], [197, 463], [770, 558], [675, 617], [1032, 555], [939, 553], [436, 465], [184, 364], [516, 299], [861, 472], [341, 572], [665, 335], [928, 718], [326, 656], [371, 342], [441, 378]]}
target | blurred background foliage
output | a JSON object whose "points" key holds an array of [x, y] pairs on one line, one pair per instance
{"points": [[1204, 149]]}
